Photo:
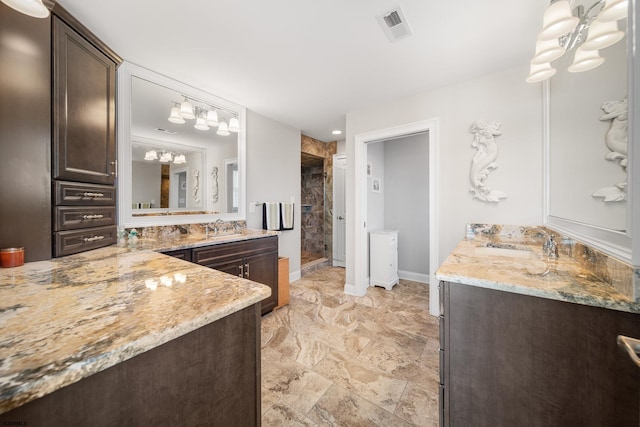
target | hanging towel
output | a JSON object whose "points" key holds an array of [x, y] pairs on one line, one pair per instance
{"points": [[287, 216], [271, 216]]}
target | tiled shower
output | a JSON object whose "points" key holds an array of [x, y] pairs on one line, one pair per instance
{"points": [[313, 208]]}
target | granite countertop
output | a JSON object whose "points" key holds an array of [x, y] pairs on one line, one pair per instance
{"points": [[525, 271], [68, 318]]}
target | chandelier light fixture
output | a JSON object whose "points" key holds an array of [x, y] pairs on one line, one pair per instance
{"points": [[585, 30], [206, 116], [33, 8]]}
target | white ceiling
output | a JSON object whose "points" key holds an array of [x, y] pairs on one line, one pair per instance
{"points": [[307, 63]]}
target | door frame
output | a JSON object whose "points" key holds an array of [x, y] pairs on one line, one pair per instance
{"points": [[335, 222], [360, 215]]}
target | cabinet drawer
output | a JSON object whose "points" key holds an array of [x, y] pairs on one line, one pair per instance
{"points": [[73, 218], [184, 254], [215, 254], [72, 242], [78, 194]]}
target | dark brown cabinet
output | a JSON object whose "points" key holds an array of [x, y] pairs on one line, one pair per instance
{"points": [[516, 360], [255, 259], [84, 84], [25, 133], [84, 138]]}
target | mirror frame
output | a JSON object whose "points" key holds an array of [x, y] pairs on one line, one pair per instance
{"points": [[625, 245], [126, 72]]}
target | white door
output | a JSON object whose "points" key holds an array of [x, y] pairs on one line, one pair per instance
{"points": [[339, 223]]}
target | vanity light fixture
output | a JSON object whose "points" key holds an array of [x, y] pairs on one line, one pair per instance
{"points": [[179, 159], [234, 125], [186, 109], [33, 8], [223, 129], [175, 116], [166, 157], [151, 155], [565, 29], [212, 118], [201, 122]]}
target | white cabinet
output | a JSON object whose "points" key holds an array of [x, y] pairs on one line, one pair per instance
{"points": [[383, 258]]}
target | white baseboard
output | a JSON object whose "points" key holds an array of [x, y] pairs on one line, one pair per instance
{"points": [[294, 276], [416, 277], [352, 290]]}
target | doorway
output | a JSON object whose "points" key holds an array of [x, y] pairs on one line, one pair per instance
{"points": [[361, 258], [313, 202], [339, 210]]}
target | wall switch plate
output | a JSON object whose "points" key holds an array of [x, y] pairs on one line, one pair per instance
{"points": [[252, 207]]}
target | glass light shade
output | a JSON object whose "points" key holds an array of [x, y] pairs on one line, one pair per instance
{"points": [[151, 155], [613, 10], [34, 8], [540, 72], [234, 125], [601, 35], [166, 157], [212, 118], [201, 124], [179, 159], [547, 51], [186, 110], [585, 60], [558, 21], [175, 116], [223, 129]]}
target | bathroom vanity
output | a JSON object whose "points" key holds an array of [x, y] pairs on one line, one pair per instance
{"points": [[530, 341], [124, 335]]}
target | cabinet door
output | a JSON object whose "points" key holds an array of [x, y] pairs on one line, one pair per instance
{"points": [[263, 269], [231, 266], [84, 142]]}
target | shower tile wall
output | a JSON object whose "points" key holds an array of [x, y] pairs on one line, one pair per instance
{"points": [[325, 150], [313, 209]]}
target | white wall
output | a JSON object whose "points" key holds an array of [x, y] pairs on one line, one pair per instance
{"points": [[501, 96], [146, 175], [273, 175], [375, 201], [406, 202]]}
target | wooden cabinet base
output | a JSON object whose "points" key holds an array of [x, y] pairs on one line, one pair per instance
{"points": [[283, 282], [209, 377]]}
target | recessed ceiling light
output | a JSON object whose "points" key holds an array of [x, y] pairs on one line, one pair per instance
{"points": [[337, 132]]}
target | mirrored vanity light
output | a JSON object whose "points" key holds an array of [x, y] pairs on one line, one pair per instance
{"points": [[223, 129], [151, 155], [165, 157], [179, 159], [585, 60], [175, 116], [234, 125], [186, 110], [201, 124], [212, 118], [547, 51]]}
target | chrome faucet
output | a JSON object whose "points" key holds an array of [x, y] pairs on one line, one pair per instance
{"points": [[550, 246], [216, 225]]}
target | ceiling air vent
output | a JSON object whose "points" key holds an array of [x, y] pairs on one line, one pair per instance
{"points": [[394, 24]]}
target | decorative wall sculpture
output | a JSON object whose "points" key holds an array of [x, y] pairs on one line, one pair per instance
{"points": [[196, 186], [616, 140], [214, 190], [484, 161]]}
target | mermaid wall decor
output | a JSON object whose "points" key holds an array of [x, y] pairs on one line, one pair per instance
{"points": [[484, 161], [616, 140]]}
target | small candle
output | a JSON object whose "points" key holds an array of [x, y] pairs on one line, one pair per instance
{"points": [[11, 257]]}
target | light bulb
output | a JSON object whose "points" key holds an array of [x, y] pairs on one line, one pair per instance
{"points": [[175, 116], [201, 124], [223, 129], [234, 125], [186, 110], [212, 118]]}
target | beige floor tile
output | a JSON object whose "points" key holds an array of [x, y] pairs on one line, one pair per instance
{"points": [[294, 384], [340, 407], [367, 381], [281, 415], [419, 405]]}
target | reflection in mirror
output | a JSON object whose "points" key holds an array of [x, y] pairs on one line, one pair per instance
{"points": [[163, 174], [173, 169], [587, 171]]}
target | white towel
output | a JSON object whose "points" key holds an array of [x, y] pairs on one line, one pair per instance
{"points": [[271, 216], [287, 216]]}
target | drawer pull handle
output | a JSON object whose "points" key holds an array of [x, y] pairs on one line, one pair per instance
{"points": [[95, 195], [631, 346], [93, 239], [241, 267], [246, 271], [96, 216]]}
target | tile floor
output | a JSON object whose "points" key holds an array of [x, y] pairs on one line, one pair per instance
{"points": [[338, 360]]}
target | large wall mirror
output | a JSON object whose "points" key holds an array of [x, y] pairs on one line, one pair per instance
{"points": [[587, 119], [174, 169]]}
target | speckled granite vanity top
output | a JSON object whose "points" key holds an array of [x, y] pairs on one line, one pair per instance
{"points": [[520, 267], [68, 318]]}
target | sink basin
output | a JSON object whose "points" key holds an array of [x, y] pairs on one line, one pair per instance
{"points": [[504, 252], [532, 263]]}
